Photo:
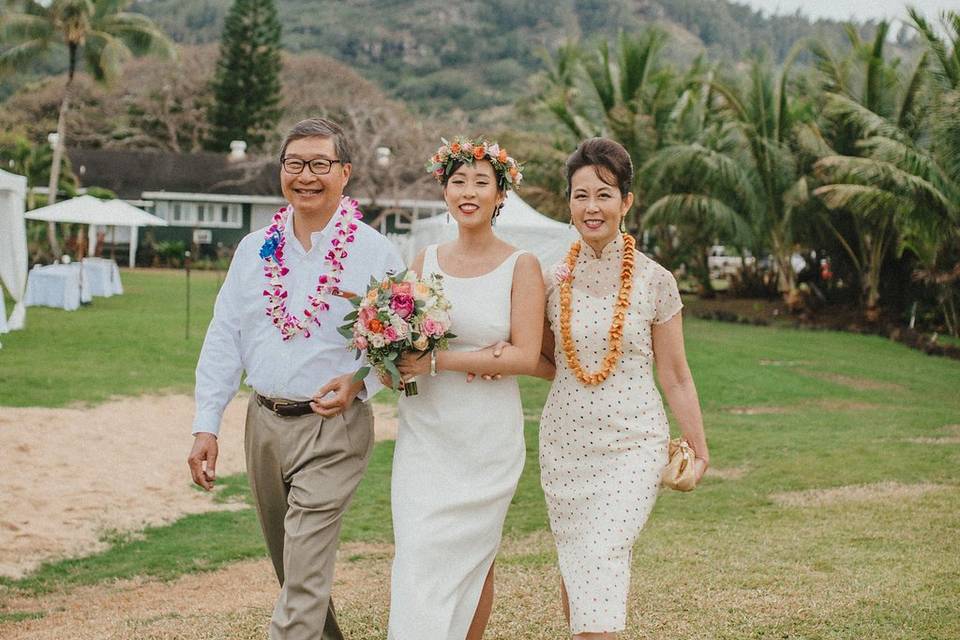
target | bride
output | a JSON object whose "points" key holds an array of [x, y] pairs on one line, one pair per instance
{"points": [[460, 447]]}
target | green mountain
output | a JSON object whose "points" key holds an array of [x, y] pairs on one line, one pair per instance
{"points": [[436, 54]]}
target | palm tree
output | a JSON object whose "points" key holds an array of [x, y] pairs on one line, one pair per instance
{"points": [[629, 96], [742, 179], [99, 32], [626, 95], [869, 120], [34, 162]]}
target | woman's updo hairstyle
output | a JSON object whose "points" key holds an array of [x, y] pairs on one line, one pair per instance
{"points": [[608, 158]]}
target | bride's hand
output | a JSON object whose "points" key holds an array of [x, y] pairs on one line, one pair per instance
{"points": [[414, 363], [386, 380], [497, 350]]}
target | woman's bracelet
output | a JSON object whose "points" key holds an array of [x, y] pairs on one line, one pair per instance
{"points": [[433, 362]]}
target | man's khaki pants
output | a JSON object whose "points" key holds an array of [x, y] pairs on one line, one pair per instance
{"points": [[303, 472]]}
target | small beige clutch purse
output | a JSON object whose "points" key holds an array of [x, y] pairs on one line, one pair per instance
{"points": [[680, 474]]}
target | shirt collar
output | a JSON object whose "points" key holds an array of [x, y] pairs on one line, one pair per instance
{"points": [[316, 238], [613, 248]]}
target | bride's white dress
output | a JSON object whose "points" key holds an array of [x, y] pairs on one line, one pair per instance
{"points": [[458, 457]]}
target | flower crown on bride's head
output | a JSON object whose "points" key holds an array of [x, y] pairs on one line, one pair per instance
{"points": [[466, 151]]}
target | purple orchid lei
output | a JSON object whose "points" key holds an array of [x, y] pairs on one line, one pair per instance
{"points": [[328, 283]]}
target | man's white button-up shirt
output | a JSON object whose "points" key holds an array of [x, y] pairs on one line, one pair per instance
{"points": [[241, 337]]}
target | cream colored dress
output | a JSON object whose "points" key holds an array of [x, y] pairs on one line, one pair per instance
{"points": [[458, 458], [602, 447]]}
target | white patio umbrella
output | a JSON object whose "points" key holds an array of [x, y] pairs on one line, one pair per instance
{"points": [[95, 212]]}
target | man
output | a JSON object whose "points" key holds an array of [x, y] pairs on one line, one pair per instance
{"points": [[308, 433]]}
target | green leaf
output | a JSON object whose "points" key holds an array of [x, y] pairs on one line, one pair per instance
{"points": [[361, 374]]}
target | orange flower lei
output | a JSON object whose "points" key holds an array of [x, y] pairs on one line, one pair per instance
{"points": [[615, 336]]}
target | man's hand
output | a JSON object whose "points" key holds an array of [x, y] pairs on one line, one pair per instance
{"points": [[203, 459], [334, 397]]}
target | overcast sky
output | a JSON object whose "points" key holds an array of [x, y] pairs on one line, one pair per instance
{"points": [[859, 9]]}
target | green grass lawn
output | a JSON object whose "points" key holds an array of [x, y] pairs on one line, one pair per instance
{"points": [[780, 543]]}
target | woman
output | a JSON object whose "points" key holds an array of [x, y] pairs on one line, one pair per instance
{"points": [[460, 447], [613, 313]]}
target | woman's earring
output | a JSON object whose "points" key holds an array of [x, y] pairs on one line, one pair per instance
{"points": [[623, 224], [448, 217], [570, 224]]}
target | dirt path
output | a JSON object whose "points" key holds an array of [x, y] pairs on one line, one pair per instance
{"points": [[68, 476]]}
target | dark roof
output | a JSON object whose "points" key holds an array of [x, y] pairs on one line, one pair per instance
{"points": [[129, 173]]}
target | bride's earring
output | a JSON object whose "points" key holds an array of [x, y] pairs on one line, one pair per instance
{"points": [[448, 217], [623, 224]]}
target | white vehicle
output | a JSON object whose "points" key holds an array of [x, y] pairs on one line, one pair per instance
{"points": [[723, 265]]}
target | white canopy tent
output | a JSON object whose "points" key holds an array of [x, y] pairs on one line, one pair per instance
{"points": [[518, 223], [99, 213], [13, 247]]}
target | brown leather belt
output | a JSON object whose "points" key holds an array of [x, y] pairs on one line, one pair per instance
{"points": [[285, 408]]}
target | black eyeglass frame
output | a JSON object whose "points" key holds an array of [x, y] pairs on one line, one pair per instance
{"points": [[325, 162]]}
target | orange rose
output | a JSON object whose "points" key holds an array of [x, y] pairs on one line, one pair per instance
{"points": [[503, 156], [513, 172], [437, 158], [375, 326], [479, 152], [455, 148]]}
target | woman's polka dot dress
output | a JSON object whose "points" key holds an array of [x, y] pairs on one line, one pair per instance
{"points": [[602, 447]]}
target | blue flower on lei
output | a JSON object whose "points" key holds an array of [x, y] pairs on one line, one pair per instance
{"points": [[269, 248]]}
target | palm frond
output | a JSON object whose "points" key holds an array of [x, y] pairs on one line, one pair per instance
{"points": [[811, 141], [849, 112], [16, 56], [907, 116], [601, 76], [139, 33], [832, 70], [105, 55], [949, 66], [884, 176], [637, 59], [18, 27], [701, 211]]}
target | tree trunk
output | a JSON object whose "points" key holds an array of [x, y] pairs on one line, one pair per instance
{"points": [[702, 273], [58, 151]]}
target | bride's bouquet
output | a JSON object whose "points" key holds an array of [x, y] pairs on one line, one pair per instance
{"points": [[398, 314]]}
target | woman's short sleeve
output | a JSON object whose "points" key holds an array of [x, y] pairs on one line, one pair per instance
{"points": [[666, 295]]}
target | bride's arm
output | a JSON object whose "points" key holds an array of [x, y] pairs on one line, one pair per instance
{"points": [[522, 355]]}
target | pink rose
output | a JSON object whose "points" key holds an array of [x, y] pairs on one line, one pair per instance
{"points": [[403, 288], [366, 315], [432, 328], [402, 305], [360, 342], [390, 333]]}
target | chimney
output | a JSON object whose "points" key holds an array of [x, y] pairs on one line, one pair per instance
{"points": [[238, 150]]}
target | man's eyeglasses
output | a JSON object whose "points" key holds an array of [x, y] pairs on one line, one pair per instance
{"points": [[318, 166]]}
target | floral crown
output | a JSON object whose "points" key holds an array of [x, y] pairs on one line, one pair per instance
{"points": [[468, 151]]}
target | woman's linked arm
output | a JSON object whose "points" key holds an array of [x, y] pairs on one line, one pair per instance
{"points": [[522, 355], [675, 379]]}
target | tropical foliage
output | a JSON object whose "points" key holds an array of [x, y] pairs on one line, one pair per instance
{"points": [[99, 34], [855, 159]]}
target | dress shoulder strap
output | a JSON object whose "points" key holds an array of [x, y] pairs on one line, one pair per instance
{"points": [[430, 264], [511, 262]]}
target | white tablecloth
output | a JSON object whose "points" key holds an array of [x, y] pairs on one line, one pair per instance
{"points": [[102, 277], [57, 285]]}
